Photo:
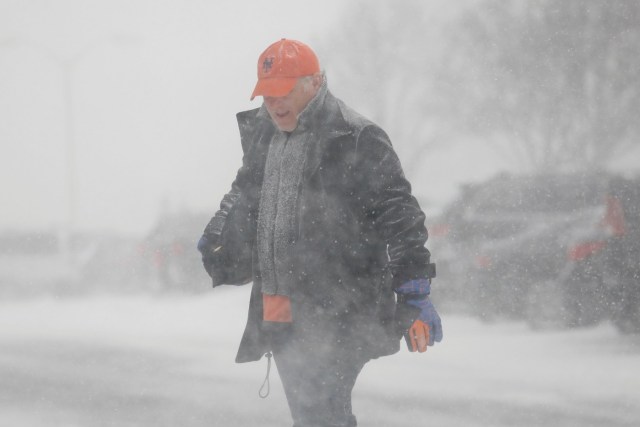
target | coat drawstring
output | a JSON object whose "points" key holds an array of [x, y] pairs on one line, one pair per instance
{"points": [[263, 394]]}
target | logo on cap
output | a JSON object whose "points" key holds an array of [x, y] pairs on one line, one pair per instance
{"points": [[267, 64]]}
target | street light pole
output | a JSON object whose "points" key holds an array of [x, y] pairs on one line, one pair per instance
{"points": [[68, 66]]}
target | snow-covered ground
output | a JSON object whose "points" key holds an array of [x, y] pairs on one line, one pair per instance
{"points": [[169, 361]]}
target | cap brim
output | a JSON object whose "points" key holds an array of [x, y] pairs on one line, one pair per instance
{"points": [[276, 87]]}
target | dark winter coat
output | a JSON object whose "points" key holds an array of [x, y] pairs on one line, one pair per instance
{"points": [[360, 231]]}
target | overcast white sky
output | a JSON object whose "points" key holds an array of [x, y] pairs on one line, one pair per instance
{"points": [[155, 91], [155, 88]]}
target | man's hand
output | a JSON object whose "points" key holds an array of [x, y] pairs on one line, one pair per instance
{"points": [[418, 336], [427, 328], [207, 245]]}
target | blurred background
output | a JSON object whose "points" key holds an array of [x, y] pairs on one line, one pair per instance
{"points": [[515, 121], [119, 138]]}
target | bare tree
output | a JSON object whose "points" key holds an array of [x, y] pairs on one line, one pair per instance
{"points": [[382, 56], [555, 83]]}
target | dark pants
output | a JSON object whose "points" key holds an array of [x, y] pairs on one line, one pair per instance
{"points": [[318, 369]]}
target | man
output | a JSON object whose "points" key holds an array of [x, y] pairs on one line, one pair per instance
{"points": [[321, 219]]}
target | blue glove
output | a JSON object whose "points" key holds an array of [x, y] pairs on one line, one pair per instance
{"points": [[416, 293], [416, 287], [203, 243]]}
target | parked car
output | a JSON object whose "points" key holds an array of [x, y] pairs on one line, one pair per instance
{"points": [[33, 262], [551, 249], [36, 262]]}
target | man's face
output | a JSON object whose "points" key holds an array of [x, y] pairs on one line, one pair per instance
{"points": [[284, 110]]}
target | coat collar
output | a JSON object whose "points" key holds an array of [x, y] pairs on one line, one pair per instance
{"points": [[325, 119]]}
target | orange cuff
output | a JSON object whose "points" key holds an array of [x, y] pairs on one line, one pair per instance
{"points": [[276, 308]]}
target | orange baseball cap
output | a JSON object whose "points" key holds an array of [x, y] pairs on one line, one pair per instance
{"points": [[280, 66]]}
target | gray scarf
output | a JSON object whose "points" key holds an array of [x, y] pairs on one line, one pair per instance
{"points": [[278, 212]]}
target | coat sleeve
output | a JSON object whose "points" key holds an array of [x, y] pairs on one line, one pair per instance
{"points": [[233, 225], [384, 195], [231, 229], [243, 177], [216, 224]]}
